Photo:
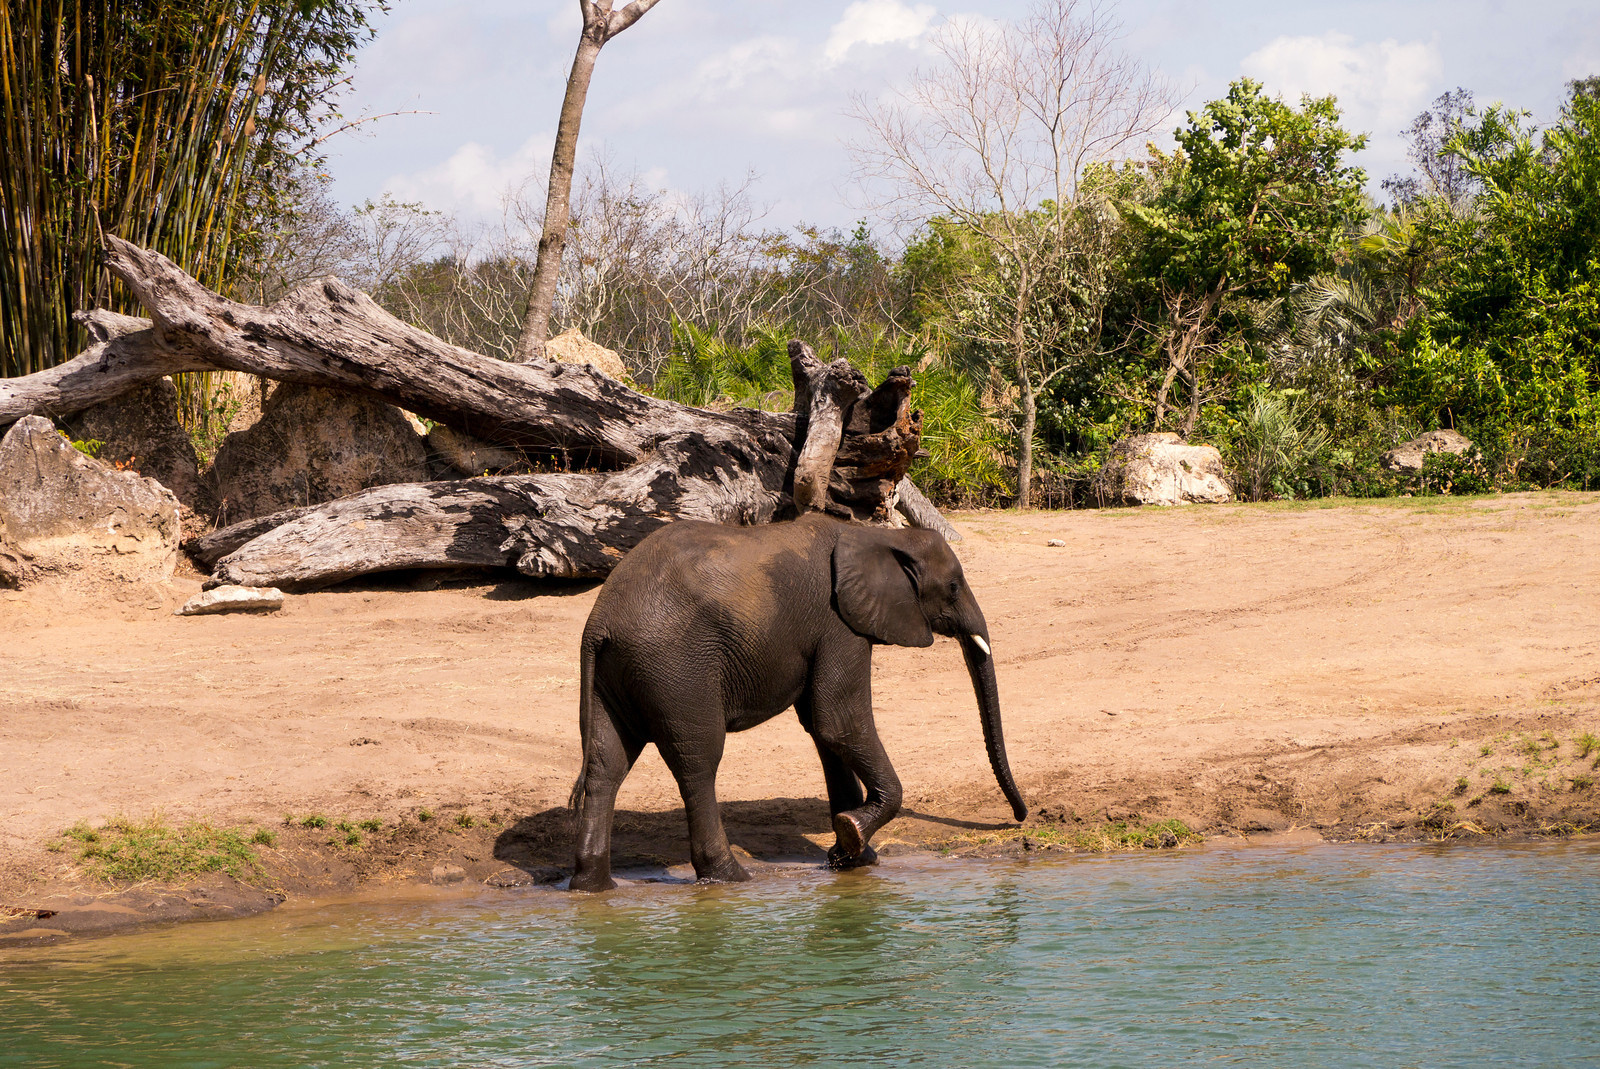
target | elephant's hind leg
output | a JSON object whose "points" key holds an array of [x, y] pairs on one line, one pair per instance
{"points": [[606, 762], [694, 766]]}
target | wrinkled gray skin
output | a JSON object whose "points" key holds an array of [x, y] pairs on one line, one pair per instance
{"points": [[705, 629]]}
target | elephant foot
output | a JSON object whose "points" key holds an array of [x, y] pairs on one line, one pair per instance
{"points": [[592, 882], [848, 842], [724, 870], [838, 860]]}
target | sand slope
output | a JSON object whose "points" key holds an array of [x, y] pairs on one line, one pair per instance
{"points": [[1246, 667]]}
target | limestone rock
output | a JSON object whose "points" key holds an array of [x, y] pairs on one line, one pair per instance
{"points": [[529, 877], [141, 432], [447, 873], [1407, 456], [222, 599], [13, 562], [62, 512], [310, 446], [466, 455], [571, 347], [1161, 469]]}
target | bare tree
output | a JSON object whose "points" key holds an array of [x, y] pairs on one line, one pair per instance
{"points": [[1443, 173], [997, 134], [600, 24]]}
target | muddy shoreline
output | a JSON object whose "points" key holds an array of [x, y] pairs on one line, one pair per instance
{"points": [[306, 864]]}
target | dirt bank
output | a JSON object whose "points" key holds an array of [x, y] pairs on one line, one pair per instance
{"points": [[1354, 669]]}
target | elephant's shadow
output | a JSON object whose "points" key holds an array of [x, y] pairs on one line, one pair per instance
{"points": [[771, 829]]}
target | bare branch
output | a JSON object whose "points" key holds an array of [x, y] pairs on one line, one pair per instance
{"points": [[621, 20]]}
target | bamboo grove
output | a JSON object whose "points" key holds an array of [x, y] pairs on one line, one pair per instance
{"points": [[172, 123]]}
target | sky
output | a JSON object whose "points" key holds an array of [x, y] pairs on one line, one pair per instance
{"points": [[701, 93]]}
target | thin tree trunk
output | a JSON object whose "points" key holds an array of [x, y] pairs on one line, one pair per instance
{"points": [[558, 203], [600, 24], [1019, 346], [1194, 403]]}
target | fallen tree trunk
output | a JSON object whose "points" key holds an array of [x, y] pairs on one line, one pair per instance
{"points": [[844, 450], [327, 333], [123, 353], [558, 526]]}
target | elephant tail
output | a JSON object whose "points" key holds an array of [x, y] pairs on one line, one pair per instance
{"points": [[586, 710]]}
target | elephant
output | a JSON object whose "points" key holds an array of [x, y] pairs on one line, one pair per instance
{"points": [[705, 629]]}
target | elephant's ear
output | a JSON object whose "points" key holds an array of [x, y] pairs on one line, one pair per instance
{"points": [[875, 586]]}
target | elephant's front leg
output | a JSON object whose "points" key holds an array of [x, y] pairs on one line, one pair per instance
{"points": [[843, 728], [693, 763], [844, 795]]}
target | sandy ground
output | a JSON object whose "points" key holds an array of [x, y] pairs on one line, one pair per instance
{"points": [[1245, 668]]}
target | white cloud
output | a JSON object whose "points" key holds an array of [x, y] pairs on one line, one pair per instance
{"points": [[474, 180], [1380, 84], [876, 22], [740, 63]]}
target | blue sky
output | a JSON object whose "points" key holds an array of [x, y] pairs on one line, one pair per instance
{"points": [[701, 92]]}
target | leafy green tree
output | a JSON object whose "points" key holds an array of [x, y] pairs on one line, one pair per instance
{"points": [[1511, 341], [1255, 199]]}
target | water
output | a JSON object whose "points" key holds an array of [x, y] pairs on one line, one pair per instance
{"points": [[1320, 956]]}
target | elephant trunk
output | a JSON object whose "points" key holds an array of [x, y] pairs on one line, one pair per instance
{"points": [[980, 665]]}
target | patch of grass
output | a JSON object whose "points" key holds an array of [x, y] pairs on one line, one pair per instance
{"points": [[1462, 785], [1485, 750], [263, 837], [315, 820], [127, 850], [1582, 782], [1587, 743], [370, 825], [465, 820], [1438, 817], [1530, 746], [425, 815], [1499, 786], [1115, 835]]}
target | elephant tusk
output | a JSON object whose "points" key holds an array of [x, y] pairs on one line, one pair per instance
{"points": [[982, 645]]}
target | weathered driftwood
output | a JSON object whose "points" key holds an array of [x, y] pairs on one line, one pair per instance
{"points": [[564, 526], [123, 353], [920, 512], [327, 333], [840, 451], [823, 396]]}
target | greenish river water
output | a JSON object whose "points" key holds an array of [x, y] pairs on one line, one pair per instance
{"points": [[1315, 956]]}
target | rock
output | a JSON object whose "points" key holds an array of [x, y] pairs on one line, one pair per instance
{"points": [[1056, 542], [530, 877], [62, 512], [139, 431], [1161, 469], [571, 347], [310, 446], [471, 456], [448, 874], [13, 563], [232, 599], [1407, 456]]}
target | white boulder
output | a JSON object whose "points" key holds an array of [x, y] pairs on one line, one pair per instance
{"points": [[1162, 469]]}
